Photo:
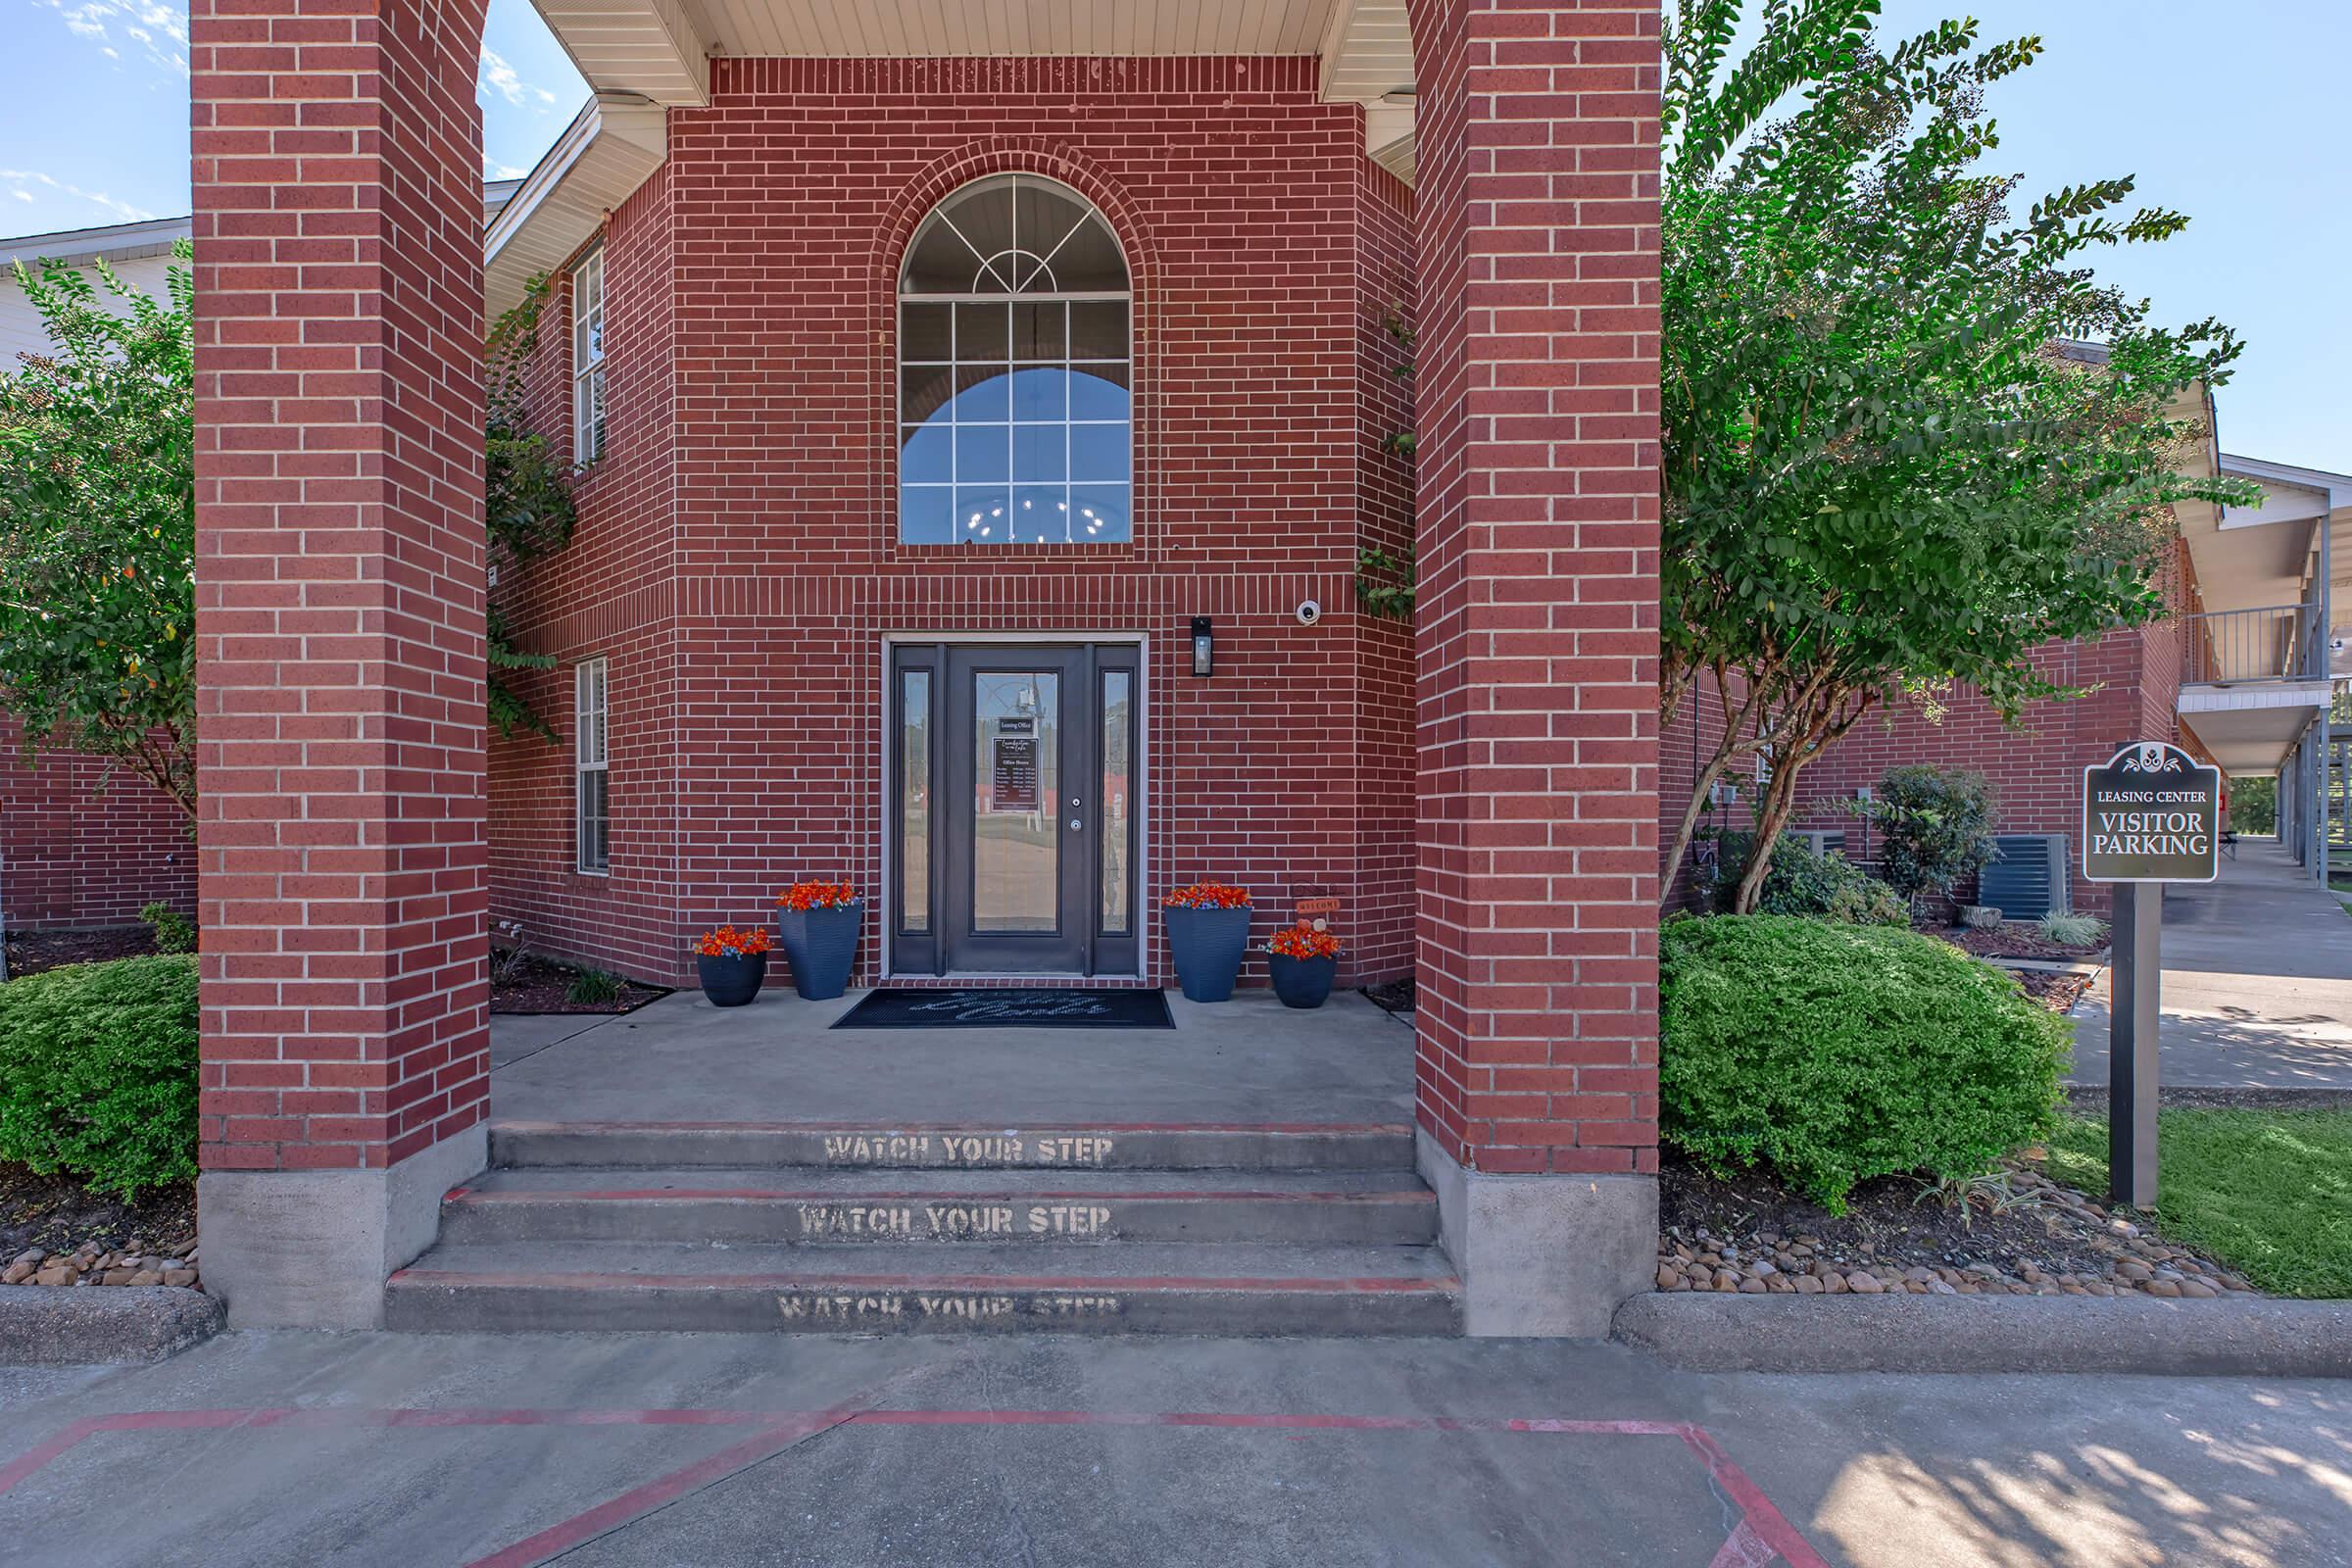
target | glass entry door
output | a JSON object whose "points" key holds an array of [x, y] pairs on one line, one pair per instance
{"points": [[1013, 809]]}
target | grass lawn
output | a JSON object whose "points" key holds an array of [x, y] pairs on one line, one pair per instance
{"points": [[2267, 1192]]}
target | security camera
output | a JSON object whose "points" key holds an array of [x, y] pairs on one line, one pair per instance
{"points": [[1309, 611]]}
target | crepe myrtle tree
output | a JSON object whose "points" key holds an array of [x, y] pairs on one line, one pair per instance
{"points": [[1906, 435], [98, 519], [98, 525]]}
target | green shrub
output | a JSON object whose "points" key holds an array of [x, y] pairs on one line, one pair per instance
{"points": [[1827, 887], [1935, 825], [2070, 930], [593, 988], [98, 1073], [174, 932], [1834, 1053]]}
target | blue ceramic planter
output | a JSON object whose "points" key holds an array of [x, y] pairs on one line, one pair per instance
{"points": [[1302, 982], [730, 981], [1207, 947], [822, 946]]}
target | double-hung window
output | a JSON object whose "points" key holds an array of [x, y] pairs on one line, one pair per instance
{"points": [[1014, 371], [591, 772], [588, 358]]}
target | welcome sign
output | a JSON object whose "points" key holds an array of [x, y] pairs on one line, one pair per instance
{"points": [[2152, 813]]}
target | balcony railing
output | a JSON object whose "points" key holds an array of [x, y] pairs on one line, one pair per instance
{"points": [[2231, 647]]}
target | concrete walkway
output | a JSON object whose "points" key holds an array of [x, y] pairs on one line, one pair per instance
{"points": [[716, 1450], [2257, 983], [1251, 1060]]}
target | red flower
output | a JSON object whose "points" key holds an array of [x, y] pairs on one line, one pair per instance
{"points": [[1207, 896], [1304, 940], [728, 943], [814, 894]]}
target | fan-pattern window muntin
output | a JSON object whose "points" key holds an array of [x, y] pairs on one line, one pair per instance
{"points": [[1016, 371], [588, 358]]}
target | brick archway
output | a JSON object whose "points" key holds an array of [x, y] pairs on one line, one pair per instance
{"points": [[339, 564]]}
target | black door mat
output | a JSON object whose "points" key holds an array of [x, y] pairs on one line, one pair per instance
{"points": [[1010, 1007]]}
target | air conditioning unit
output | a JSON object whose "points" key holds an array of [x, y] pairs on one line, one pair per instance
{"points": [[1821, 841], [2029, 878]]}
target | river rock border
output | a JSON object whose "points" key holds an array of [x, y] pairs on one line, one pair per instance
{"points": [[1769, 1263]]}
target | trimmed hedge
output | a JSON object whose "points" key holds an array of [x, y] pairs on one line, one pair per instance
{"points": [[1834, 1053], [98, 1073]]}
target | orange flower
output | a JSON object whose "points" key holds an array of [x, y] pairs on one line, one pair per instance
{"points": [[728, 943], [1304, 940], [1207, 896], [814, 894]]}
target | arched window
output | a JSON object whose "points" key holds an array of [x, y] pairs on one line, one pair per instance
{"points": [[1014, 371]]}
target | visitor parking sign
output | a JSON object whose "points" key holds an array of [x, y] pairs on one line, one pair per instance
{"points": [[2152, 813]]}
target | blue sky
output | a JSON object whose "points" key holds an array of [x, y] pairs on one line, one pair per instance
{"points": [[2229, 112]]}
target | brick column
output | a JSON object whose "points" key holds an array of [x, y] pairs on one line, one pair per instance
{"points": [[339, 563], [1536, 145]]}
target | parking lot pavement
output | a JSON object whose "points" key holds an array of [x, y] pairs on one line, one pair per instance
{"points": [[716, 1450]]}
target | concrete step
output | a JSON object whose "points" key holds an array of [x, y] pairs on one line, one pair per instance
{"points": [[717, 1205], [1148, 1287], [1047, 1146]]}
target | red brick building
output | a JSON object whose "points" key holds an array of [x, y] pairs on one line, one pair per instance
{"points": [[850, 297], [83, 844], [940, 401]]}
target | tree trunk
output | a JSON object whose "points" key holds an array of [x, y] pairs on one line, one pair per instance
{"points": [[1773, 810], [1738, 742], [1804, 735]]}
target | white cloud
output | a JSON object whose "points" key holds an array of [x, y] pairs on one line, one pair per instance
{"points": [[497, 77], [18, 183], [158, 28], [492, 169]]}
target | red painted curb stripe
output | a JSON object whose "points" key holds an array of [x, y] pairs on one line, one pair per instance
{"points": [[1761, 1516], [473, 1197], [913, 1282], [873, 1130], [32, 1459], [639, 1502], [1760, 1520]]}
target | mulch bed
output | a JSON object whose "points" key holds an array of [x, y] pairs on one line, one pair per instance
{"points": [[2053, 989], [59, 1213], [540, 985], [2011, 939], [31, 952], [1752, 1234]]}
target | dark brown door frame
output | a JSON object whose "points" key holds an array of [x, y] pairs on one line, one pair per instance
{"points": [[1085, 942]]}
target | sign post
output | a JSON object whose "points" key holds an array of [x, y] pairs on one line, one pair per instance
{"points": [[2151, 816]]}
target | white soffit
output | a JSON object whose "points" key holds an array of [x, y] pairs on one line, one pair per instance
{"points": [[658, 49], [1368, 59], [612, 147], [2314, 494], [2254, 740], [871, 28]]}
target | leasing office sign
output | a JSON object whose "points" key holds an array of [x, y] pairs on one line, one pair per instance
{"points": [[2153, 813]]}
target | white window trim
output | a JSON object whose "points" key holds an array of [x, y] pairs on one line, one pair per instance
{"points": [[588, 358], [592, 754]]}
